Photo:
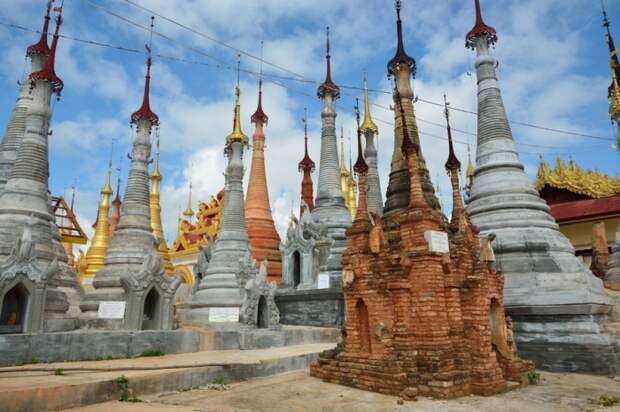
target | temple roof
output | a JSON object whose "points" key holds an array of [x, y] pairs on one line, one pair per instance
{"points": [[480, 29], [401, 56], [41, 46], [571, 177], [47, 73], [328, 86]]}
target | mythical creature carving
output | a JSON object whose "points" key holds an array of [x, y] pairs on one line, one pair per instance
{"points": [[255, 288]]}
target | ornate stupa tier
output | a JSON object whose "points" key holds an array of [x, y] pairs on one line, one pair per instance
{"points": [[557, 303], [264, 239], [402, 68], [16, 126], [220, 287]]}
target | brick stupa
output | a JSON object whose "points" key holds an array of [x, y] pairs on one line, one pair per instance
{"points": [[264, 239], [420, 321]]}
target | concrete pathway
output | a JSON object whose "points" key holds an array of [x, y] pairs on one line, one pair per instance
{"points": [[296, 392], [33, 391]]}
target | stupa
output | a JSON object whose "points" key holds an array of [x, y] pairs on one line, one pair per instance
{"points": [[264, 239], [373, 184], [429, 322], [133, 278], [560, 309]]}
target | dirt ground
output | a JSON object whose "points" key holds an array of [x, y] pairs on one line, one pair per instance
{"points": [[298, 391]]}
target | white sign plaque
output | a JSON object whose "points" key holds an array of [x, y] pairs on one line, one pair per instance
{"points": [[87, 281], [437, 241], [111, 310], [323, 282], [223, 314]]}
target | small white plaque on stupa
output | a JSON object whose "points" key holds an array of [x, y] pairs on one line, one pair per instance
{"points": [[323, 282], [223, 314], [111, 310], [437, 241]]}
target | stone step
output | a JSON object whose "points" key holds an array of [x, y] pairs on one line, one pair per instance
{"points": [[25, 391]]}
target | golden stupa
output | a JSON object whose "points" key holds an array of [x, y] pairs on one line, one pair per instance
{"points": [[156, 225]]}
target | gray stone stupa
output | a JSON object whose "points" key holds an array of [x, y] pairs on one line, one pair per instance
{"points": [[31, 293], [374, 198], [329, 207], [559, 308], [133, 270], [220, 293]]}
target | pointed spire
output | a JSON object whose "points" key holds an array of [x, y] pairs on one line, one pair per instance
{"points": [[614, 89], [41, 46], [306, 163], [360, 164], [401, 56], [48, 73], [367, 125], [452, 164], [343, 166], [480, 29], [189, 212], [237, 135], [156, 177], [470, 166], [145, 112], [259, 115], [328, 86]]}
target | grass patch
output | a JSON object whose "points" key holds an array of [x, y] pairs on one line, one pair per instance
{"points": [[219, 380], [606, 401], [152, 353], [59, 372], [533, 378]]}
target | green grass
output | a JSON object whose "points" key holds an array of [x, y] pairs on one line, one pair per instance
{"points": [[605, 400], [152, 353], [59, 372], [533, 378], [220, 380]]}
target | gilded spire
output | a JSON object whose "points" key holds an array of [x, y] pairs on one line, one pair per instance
{"points": [[101, 239], [470, 166], [367, 125], [401, 56], [237, 135], [480, 29], [47, 73], [41, 46], [343, 165], [145, 112], [328, 86], [614, 88]]}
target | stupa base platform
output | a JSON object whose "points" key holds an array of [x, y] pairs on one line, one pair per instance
{"points": [[92, 345], [24, 389], [311, 307], [568, 343]]}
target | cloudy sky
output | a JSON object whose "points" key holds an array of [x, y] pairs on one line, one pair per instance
{"points": [[553, 71]]}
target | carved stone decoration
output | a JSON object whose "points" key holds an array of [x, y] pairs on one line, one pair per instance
{"points": [[259, 306], [23, 269], [202, 264], [305, 251], [150, 293]]}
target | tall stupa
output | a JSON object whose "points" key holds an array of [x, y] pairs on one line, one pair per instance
{"points": [[219, 297], [329, 205], [559, 308], [264, 238], [374, 198]]}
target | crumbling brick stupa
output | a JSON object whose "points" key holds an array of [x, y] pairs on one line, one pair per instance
{"points": [[423, 303]]}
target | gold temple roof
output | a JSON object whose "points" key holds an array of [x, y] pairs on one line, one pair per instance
{"points": [[193, 235], [571, 177]]}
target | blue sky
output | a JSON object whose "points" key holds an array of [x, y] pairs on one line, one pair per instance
{"points": [[553, 71]]}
